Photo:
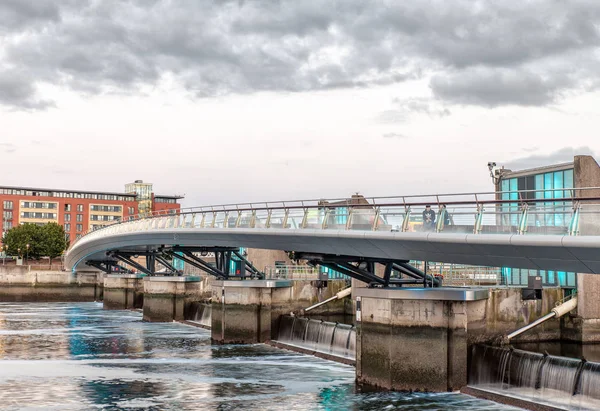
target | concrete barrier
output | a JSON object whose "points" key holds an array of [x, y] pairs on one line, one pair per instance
{"points": [[20, 284]]}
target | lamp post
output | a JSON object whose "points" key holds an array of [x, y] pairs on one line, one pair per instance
{"points": [[3, 254], [26, 253]]}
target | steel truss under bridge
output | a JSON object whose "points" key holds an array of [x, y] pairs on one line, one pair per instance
{"points": [[364, 269], [108, 266], [194, 256]]}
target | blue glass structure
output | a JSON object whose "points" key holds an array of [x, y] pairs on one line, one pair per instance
{"points": [[549, 184]]}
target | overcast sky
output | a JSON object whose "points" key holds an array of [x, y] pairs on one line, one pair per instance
{"points": [[232, 101]]}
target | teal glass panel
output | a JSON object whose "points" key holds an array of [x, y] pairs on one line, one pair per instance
{"points": [[341, 215], [539, 185], [514, 189], [568, 182], [506, 272], [571, 280], [514, 207], [551, 277], [558, 183], [562, 277], [505, 186], [548, 184]]}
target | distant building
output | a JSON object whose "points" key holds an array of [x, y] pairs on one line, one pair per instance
{"points": [[76, 210], [148, 202]]}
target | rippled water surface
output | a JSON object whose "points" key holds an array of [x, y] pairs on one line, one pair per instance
{"points": [[80, 357]]}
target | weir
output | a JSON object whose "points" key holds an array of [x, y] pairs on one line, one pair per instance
{"points": [[553, 381], [322, 338], [199, 313]]}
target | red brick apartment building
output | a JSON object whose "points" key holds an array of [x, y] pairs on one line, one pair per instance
{"points": [[78, 211]]}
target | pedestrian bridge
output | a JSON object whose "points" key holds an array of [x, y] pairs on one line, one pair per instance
{"points": [[558, 232]]}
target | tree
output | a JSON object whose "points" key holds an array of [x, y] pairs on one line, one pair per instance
{"points": [[24, 239], [53, 240], [35, 241]]}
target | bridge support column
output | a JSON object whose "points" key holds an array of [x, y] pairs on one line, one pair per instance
{"points": [[413, 339], [249, 311], [166, 298], [123, 291], [246, 312]]}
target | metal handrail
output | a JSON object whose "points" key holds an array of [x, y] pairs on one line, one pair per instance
{"points": [[374, 203]]}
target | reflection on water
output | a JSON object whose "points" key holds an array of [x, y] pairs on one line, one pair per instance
{"points": [[79, 357]]}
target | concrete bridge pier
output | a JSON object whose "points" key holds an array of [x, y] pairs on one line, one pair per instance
{"points": [[123, 291], [414, 339], [166, 298]]}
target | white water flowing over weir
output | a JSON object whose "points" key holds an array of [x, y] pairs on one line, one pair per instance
{"points": [[320, 336], [201, 314], [561, 382]]}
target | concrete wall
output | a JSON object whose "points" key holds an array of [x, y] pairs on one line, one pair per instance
{"points": [[19, 284], [122, 292], [505, 311], [410, 344], [250, 311], [168, 298]]}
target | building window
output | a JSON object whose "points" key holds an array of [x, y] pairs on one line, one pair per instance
{"points": [[131, 210], [77, 236], [7, 215], [67, 217], [79, 217], [80, 207], [67, 207], [106, 208], [67, 227], [68, 237], [7, 225], [8, 205], [79, 227], [43, 216]]}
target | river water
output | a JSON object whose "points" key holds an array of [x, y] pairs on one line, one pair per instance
{"points": [[76, 356]]}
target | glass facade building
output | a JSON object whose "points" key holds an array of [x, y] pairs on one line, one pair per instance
{"points": [[555, 182]]}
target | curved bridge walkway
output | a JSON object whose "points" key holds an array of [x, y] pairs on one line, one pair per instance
{"points": [[554, 230]]}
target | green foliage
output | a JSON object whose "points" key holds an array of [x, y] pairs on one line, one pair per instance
{"points": [[47, 240], [53, 240]]}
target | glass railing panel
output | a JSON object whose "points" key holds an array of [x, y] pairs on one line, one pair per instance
{"points": [[209, 218], [261, 218], [390, 219], [496, 218], [589, 219], [549, 218], [244, 219], [220, 219], [314, 218], [278, 219], [295, 217], [362, 219], [337, 218]]}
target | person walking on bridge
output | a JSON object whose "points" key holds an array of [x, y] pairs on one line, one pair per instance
{"points": [[428, 219]]}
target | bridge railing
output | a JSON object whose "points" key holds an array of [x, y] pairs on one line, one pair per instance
{"points": [[562, 212]]}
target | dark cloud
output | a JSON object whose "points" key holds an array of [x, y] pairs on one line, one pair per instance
{"points": [[19, 91], [19, 14], [394, 135], [212, 48], [498, 87], [563, 155]]}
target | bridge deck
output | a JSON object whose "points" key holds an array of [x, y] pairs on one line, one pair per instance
{"points": [[560, 252]]}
